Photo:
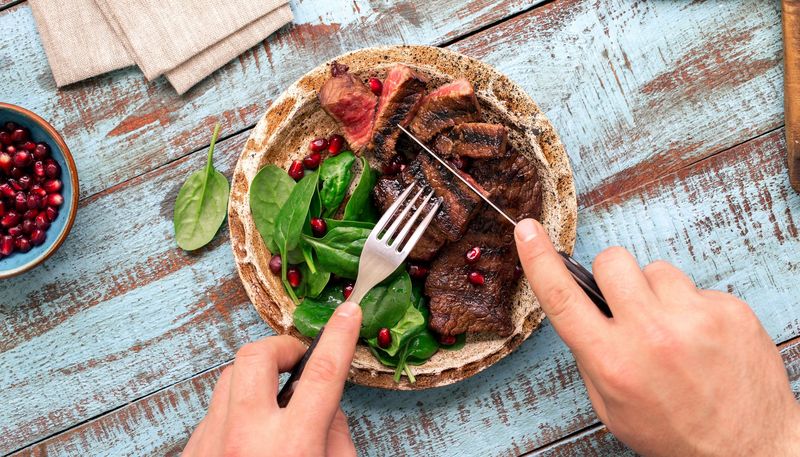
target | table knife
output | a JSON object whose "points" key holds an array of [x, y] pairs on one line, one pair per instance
{"points": [[582, 276]]}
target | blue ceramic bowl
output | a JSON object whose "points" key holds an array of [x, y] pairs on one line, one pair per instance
{"points": [[19, 262]]}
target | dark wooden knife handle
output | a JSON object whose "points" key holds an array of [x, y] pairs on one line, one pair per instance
{"points": [[287, 390], [585, 279], [791, 81]]}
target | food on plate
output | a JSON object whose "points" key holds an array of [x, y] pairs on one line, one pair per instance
{"points": [[315, 215], [30, 190]]}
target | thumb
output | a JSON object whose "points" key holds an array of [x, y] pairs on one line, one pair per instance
{"points": [[574, 317], [316, 398]]}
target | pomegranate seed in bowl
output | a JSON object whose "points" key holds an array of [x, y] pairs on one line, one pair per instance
{"points": [[335, 144], [476, 278], [296, 170], [312, 160], [376, 86], [318, 145], [275, 264], [318, 227], [384, 338]]}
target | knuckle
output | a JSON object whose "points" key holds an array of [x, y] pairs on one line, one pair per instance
{"points": [[617, 374], [609, 256], [658, 267], [254, 349], [322, 369], [559, 299]]}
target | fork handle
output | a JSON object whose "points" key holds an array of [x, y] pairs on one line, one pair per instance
{"points": [[585, 279]]}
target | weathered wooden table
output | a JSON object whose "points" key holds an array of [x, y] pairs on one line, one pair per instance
{"points": [[671, 113]]}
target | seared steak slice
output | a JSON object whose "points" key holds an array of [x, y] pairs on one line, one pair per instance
{"points": [[459, 202], [351, 103], [513, 182], [385, 192], [457, 306], [403, 90], [476, 140], [449, 105]]}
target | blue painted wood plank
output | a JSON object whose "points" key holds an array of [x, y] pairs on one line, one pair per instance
{"points": [[119, 125]]}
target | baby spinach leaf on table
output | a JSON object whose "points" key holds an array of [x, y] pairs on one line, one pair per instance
{"points": [[201, 204], [335, 175], [313, 313], [360, 207], [385, 304], [268, 192], [339, 250], [334, 223]]}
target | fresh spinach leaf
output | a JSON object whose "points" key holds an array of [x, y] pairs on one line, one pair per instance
{"points": [[201, 204], [268, 192], [313, 281], [333, 223], [422, 348], [404, 330], [360, 207], [313, 313], [385, 304], [461, 340], [290, 219], [339, 250], [335, 175], [316, 205]]}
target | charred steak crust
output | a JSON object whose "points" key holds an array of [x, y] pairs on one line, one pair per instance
{"points": [[459, 202], [384, 194], [346, 99], [403, 90], [457, 306], [513, 182], [445, 107]]}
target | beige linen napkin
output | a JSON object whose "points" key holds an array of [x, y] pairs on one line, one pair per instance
{"points": [[84, 38]]}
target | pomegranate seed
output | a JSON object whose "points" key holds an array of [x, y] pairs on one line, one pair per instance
{"points": [[42, 151], [52, 186], [22, 158], [11, 149], [318, 144], [5, 138], [312, 160], [6, 162], [473, 255], [15, 185], [293, 276], [51, 168], [28, 226], [275, 264], [54, 200], [29, 146], [38, 168], [15, 231], [296, 170], [41, 221], [6, 245], [447, 340], [384, 338], [395, 165], [417, 271], [23, 245], [318, 227], [21, 201], [335, 143], [25, 182], [17, 172], [37, 237], [30, 214], [476, 278], [375, 85], [51, 213], [347, 290], [19, 135], [38, 191], [10, 219], [517, 271], [2, 208], [6, 190]]}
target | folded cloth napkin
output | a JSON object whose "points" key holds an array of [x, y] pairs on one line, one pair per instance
{"points": [[184, 39]]}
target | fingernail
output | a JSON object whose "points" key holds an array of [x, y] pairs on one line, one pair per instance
{"points": [[347, 309], [527, 230]]}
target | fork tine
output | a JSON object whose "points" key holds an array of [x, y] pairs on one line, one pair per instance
{"points": [[407, 227], [387, 216], [399, 219], [412, 240]]}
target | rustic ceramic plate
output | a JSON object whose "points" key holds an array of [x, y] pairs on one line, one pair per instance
{"points": [[296, 117]]}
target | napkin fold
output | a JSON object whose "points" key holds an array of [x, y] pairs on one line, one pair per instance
{"points": [[185, 40]]}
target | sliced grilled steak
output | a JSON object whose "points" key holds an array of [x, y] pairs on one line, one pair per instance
{"points": [[456, 305], [402, 93], [385, 192], [459, 202], [513, 182], [351, 103], [449, 105], [476, 140]]}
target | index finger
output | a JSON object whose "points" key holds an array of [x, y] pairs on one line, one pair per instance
{"points": [[316, 398], [575, 318]]}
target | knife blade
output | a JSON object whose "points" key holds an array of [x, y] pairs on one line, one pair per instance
{"points": [[582, 276]]}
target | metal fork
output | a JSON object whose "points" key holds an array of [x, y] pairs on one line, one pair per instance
{"points": [[383, 252]]}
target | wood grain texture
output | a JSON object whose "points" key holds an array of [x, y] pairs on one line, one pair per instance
{"points": [[790, 11], [122, 112], [120, 312]]}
